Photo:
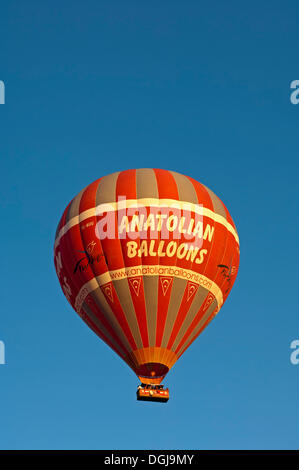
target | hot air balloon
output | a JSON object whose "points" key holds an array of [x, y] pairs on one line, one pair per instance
{"points": [[147, 257]]}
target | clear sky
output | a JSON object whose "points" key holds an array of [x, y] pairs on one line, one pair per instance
{"points": [[202, 88]]}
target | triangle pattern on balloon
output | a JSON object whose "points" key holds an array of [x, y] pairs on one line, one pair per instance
{"points": [[209, 300], [108, 291], [191, 290], [165, 283], [135, 283]]}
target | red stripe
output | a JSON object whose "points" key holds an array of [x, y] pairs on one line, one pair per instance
{"points": [[203, 199], [167, 189]]}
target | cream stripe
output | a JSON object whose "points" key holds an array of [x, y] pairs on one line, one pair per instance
{"points": [[145, 202], [148, 270], [194, 333], [147, 187], [93, 317], [100, 300]]}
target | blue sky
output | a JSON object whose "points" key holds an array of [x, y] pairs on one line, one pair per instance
{"points": [[202, 88]]}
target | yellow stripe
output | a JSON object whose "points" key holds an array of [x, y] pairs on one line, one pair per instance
{"points": [[148, 270], [146, 202]]}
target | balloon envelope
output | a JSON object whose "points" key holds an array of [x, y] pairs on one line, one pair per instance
{"points": [[147, 258]]}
